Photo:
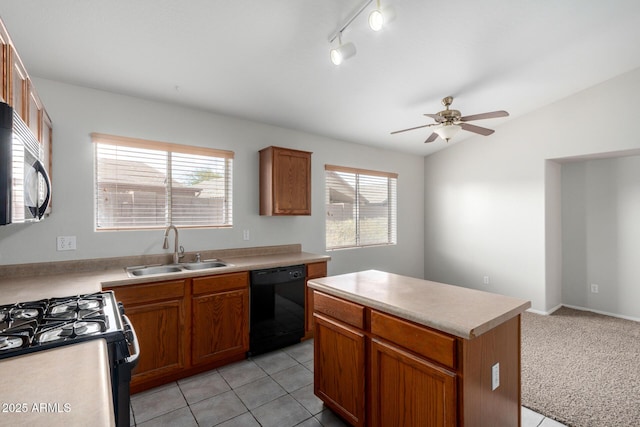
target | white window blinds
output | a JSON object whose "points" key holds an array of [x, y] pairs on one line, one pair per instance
{"points": [[149, 184], [361, 207]]}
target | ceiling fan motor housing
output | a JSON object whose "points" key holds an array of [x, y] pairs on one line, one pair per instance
{"points": [[449, 116]]}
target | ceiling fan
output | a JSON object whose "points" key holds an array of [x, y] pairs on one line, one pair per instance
{"points": [[449, 122]]}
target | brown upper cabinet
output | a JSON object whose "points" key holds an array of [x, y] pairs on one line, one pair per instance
{"points": [[17, 85], [5, 47], [285, 181]]}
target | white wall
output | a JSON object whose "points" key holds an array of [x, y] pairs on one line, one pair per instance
{"points": [[485, 199], [77, 111], [601, 234]]}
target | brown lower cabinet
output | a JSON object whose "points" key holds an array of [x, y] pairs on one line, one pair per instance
{"points": [[375, 369], [190, 325], [158, 313], [339, 377], [315, 270], [220, 327], [187, 326]]}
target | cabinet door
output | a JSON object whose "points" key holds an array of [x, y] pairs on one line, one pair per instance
{"points": [[292, 182], [285, 181], [17, 85], [157, 312], [409, 391], [339, 368], [5, 49], [220, 325]]}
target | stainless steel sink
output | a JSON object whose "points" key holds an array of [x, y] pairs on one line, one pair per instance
{"points": [[147, 270], [154, 269], [204, 265]]}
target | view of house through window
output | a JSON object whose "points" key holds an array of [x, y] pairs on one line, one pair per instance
{"points": [[148, 184], [361, 207]]}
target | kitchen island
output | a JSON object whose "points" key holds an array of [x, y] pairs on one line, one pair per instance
{"points": [[395, 350]]}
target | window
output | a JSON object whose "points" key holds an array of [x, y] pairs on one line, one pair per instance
{"points": [[361, 207], [147, 184]]}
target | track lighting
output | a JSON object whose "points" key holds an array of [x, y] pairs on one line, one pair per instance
{"points": [[342, 52], [377, 19]]}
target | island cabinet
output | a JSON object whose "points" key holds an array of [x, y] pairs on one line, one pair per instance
{"points": [[378, 369], [158, 312], [285, 181], [340, 357], [413, 377], [220, 306]]}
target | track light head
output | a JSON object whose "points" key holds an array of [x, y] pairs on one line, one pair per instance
{"points": [[342, 52], [376, 20]]}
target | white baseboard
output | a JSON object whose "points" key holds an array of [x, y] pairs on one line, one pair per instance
{"points": [[620, 316], [544, 313]]}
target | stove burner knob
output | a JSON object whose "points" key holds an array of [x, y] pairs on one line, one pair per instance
{"points": [[120, 308]]}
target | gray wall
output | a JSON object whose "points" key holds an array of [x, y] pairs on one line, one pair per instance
{"points": [[492, 204], [77, 111], [601, 234]]}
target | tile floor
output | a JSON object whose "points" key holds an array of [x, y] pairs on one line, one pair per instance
{"points": [[270, 390]]}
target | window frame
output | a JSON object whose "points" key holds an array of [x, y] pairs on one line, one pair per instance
{"points": [[392, 206], [169, 149]]}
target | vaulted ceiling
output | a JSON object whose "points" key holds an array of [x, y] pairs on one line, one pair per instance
{"points": [[268, 61]]}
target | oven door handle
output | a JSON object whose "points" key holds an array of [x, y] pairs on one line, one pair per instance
{"points": [[132, 359]]}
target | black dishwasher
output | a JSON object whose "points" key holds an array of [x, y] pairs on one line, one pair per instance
{"points": [[277, 308]]}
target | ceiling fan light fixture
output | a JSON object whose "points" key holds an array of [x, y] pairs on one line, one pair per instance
{"points": [[447, 131], [342, 52]]}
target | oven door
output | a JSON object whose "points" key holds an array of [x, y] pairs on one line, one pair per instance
{"points": [[124, 358]]}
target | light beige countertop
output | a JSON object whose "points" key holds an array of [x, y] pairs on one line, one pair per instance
{"points": [[64, 279], [51, 387], [459, 311]]}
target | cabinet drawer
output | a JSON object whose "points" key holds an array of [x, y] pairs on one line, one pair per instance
{"points": [[149, 292], [223, 282], [345, 311], [317, 269], [428, 343]]}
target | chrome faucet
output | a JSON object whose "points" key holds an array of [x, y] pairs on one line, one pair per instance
{"points": [[165, 244]]}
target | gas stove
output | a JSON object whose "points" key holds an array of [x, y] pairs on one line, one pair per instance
{"points": [[37, 325], [31, 326]]}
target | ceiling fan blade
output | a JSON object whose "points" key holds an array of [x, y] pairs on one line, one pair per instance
{"points": [[432, 137], [435, 117], [404, 130], [482, 116], [476, 129]]}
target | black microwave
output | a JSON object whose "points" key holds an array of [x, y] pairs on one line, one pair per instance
{"points": [[25, 188]]}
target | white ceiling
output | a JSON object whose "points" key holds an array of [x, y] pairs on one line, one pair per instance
{"points": [[268, 60]]}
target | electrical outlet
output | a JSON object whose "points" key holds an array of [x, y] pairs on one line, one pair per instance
{"points": [[594, 288], [485, 280], [66, 243], [245, 234], [495, 376]]}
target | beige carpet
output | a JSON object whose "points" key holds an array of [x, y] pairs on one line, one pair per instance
{"points": [[582, 368]]}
